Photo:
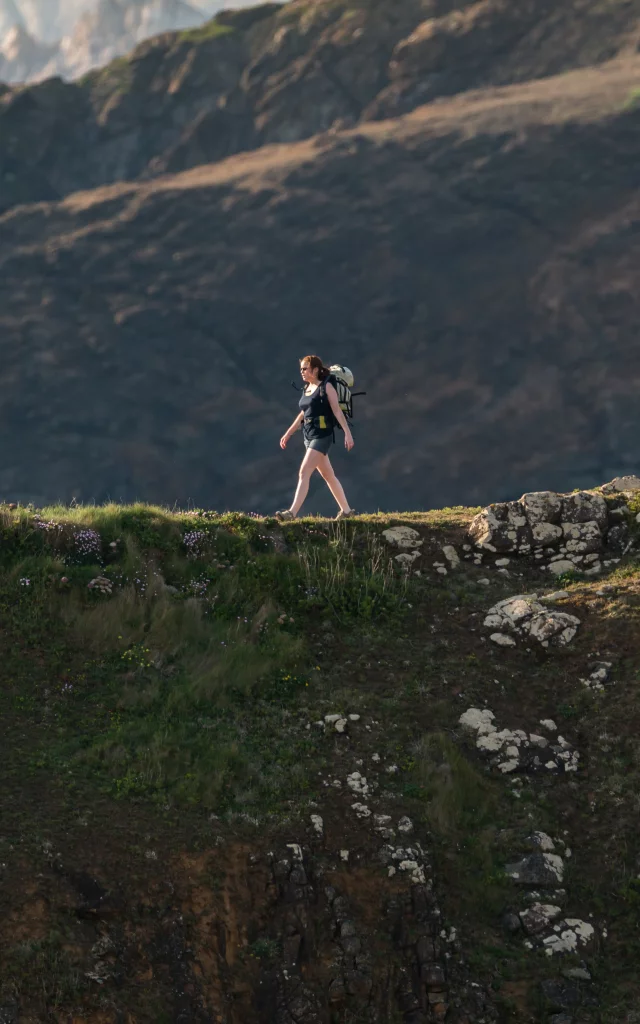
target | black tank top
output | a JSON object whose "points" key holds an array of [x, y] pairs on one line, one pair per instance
{"points": [[318, 417]]}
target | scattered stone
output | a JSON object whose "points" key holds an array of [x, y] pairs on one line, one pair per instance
{"points": [[354, 718], [344, 855], [558, 595], [541, 841], [538, 917], [598, 676], [405, 825], [317, 823], [502, 561], [485, 582], [538, 741], [358, 783], [525, 615], [537, 869], [571, 934], [441, 569], [511, 923], [331, 719], [451, 555], [549, 724], [406, 558], [577, 974], [340, 725], [502, 640], [403, 537], [362, 811]]}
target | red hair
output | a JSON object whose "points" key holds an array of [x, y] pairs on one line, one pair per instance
{"points": [[315, 363]]}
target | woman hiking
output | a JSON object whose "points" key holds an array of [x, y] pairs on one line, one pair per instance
{"points": [[319, 410]]}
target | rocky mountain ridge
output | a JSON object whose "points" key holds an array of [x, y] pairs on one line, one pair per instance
{"points": [[278, 74]]}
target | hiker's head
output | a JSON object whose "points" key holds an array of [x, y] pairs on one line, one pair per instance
{"points": [[313, 369]]}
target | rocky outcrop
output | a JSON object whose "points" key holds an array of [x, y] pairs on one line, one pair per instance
{"points": [[565, 531]]}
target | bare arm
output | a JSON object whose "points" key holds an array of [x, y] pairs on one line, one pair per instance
{"points": [[332, 395], [297, 423]]}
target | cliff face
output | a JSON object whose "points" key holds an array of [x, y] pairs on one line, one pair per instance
{"points": [[282, 73], [476, 263]]}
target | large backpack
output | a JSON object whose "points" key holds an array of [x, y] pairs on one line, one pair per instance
{"points": [[343, 382]]}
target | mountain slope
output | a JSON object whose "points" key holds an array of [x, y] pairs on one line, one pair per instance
{"points": [[475, 262], [283, 73], [40, 39]]}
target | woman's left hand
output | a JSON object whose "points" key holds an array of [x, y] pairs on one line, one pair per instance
{"points": [[348, 442]]}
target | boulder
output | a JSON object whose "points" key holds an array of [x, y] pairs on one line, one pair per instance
{"points": [[584, 507], [582, 538], [501, 527], [621, 483], [404, 537], [542, 507]]}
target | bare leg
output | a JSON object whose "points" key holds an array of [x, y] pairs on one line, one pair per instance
{"points": [[327, 472], [308, 467]]}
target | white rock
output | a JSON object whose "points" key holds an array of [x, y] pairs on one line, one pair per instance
{"points": [[508, 766], [558, 595], [441, 569], [485, 582], [502, 640], [538, 741], [296, 850], [548, 724], [354, 718], [546, 533], [391, 769], [417, 873], [555, 864], [543, 842], [375, 757], [562, 565], [344, 855], [405, 824], [358, 784], [403, 537], [502, 561], [493, 621], [476, 720], [451, 555], [330, 719], [406, 558], [341, 725], [317, 823], [362, 811]]}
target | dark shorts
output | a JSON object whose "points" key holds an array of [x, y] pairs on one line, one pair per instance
{"points": [[319, 444]]}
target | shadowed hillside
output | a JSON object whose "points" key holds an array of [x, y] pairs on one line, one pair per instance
{"points": [[384, 770], [475, 262]]}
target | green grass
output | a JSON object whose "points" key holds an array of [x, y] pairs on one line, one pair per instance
{"points": [[632, 100], [178, 684], [203, 33]]}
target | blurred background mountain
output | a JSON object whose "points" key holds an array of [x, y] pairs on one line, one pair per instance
{"points": [[43, 38]]}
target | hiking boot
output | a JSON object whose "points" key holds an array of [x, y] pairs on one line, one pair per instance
{"points": [[345, 515], [285, 515]]}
